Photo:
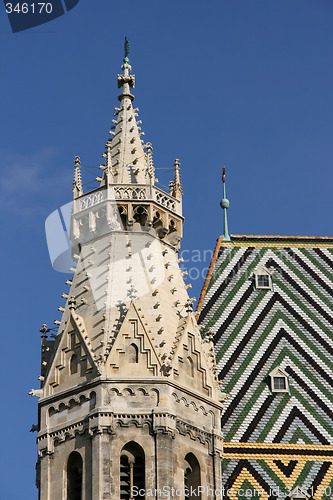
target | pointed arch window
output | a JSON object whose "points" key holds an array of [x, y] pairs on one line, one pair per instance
{"points": [[73, 340], [73, 364], [192, 479], [133, 354], [74, 476], [190, 367], [132, 472], [83, 366]]}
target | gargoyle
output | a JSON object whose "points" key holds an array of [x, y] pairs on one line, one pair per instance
{"points": [[36, 392]]}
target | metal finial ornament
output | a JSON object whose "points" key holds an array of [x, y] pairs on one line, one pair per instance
{"points": [[225, 205], [126, 50]]}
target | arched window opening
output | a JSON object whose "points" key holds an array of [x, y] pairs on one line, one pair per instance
{"points": [[92, 401], [192, 477], [123, 216], [83, 366], [73, 340], [157, 222], [190, 367], [132, 471], [140, 215], [172, 226], [133, 354], [74, 476], [125, 475], [186, 482], [73, 364]]}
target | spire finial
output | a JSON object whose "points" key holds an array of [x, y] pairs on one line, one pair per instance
{"points": [[77, 183], [225, 205], [126, 50], [126, 80]]}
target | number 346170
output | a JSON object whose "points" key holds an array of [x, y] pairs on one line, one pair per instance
{"points": [[29, 8]]}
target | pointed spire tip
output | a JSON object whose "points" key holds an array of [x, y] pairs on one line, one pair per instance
{"points": [[126, 50]]}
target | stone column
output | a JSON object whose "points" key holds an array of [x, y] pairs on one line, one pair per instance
{"points": [[101, 466], [164, 462], [45, 490], [217, 462]]}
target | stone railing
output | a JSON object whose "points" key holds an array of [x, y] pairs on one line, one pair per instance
{"points": [[90, 200], [130, 193], [165, 201]]}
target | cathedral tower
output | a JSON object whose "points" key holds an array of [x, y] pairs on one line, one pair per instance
{"points": [[129, 401]]}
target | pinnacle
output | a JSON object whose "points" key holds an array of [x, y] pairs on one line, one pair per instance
{"points": [[175, 185], [77, 182]]}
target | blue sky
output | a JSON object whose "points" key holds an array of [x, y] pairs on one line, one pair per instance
{"points": [[242, 83]]}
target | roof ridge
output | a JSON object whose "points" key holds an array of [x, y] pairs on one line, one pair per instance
{"points": [[283, 236]]}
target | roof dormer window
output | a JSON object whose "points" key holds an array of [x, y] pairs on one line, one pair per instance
{"points": [[279, 383], [299, 494], [262, 279], [279, 380]]}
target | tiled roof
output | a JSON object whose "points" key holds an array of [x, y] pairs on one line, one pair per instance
{"points": [[289, 327]]}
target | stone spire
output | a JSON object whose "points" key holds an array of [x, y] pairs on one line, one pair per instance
{"points": [[128, 375], [127, 162], [175, 185], [225, 205], [77, 182]]}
